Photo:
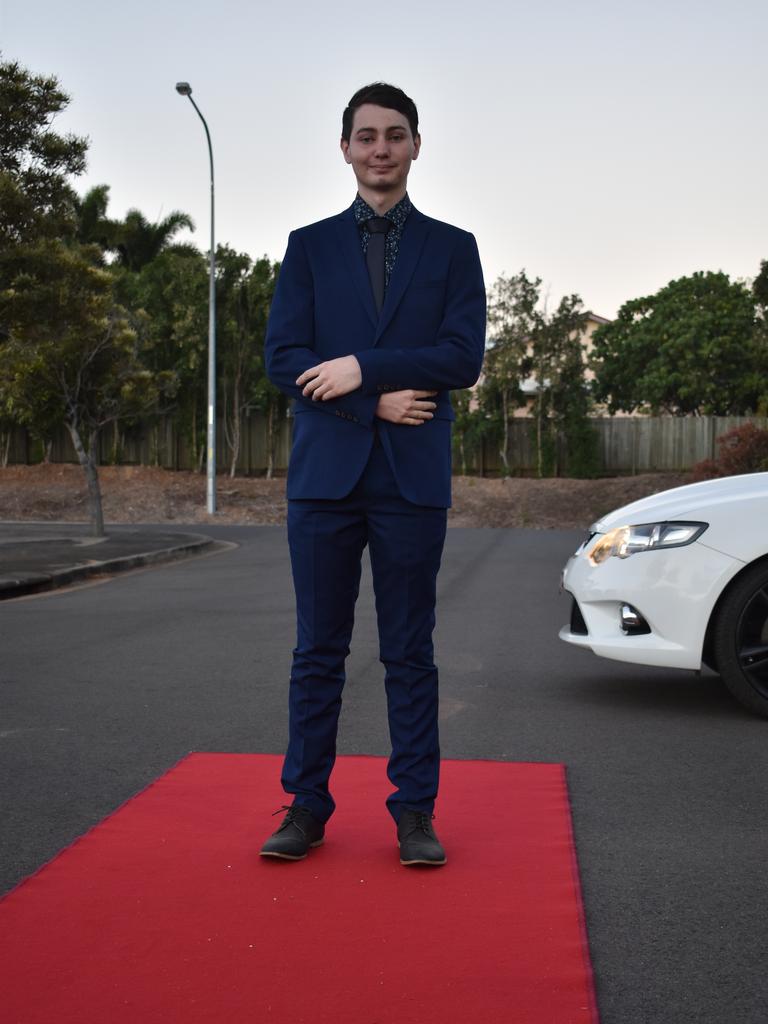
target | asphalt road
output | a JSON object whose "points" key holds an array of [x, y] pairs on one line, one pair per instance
{"points": [[104, 687]]}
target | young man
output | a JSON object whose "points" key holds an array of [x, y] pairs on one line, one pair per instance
{"points": [[378, 312]]}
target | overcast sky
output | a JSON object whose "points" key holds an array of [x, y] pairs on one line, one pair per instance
{"points": [[607, 147]]}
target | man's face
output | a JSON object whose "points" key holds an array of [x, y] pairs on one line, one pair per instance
{"points": [[380, 148]]}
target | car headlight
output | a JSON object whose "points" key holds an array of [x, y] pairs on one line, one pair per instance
{"points": [[629, 540]]}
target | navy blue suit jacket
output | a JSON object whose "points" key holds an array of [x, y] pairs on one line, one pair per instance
{"points": [[430, 335]]}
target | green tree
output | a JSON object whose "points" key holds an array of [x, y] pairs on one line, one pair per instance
{"points": [[93, 227], [562, 403], [238, 358], [67, 353], [36, 198], [246, 359], [138, 241], [760, 287], [274, 405], [167, 302], [164, 287], [541, 352], [468, 427], [71, 354], [513, 319], [689, 349], [260, 392]]}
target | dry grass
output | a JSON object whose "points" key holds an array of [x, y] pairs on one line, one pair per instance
{"points": [[140, 494]]}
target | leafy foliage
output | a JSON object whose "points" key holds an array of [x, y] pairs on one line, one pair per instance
{"points": [[741, 450], [138, 241], [512, 320], [93, 227], [36, 199], [244, 295], [563, 401], [71, 355], [469, 428], [68, 353], [533, 352], [689, 349], [760, 287]]}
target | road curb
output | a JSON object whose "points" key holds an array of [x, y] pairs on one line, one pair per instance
{"points": [[36, 582]]}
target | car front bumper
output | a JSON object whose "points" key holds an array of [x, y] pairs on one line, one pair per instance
{"points": [[673, 590]]}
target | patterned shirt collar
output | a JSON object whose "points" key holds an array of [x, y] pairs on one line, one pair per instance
{"points": [[397, 214]]}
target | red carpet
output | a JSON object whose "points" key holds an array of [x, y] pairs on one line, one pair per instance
{"points": [[165, 913]]}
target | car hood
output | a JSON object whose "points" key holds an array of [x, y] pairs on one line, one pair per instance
{"points": [[686, 502]]}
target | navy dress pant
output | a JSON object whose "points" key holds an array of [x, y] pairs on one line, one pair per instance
{"points": [[327, 539]]}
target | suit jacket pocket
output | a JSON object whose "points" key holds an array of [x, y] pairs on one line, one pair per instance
{"points": [[428, 282]]}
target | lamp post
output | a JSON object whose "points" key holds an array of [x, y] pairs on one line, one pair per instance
{"points": [[185, 89]]}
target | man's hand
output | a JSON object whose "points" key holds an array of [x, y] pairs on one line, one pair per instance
{"points": [[410, 407], [331, 379]]}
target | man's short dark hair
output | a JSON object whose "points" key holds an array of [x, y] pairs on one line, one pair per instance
{"points": [[382, 95]]}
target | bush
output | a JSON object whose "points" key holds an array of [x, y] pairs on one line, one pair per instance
{"points": [[742, 450]]}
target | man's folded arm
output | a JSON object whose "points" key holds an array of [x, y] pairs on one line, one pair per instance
{"points": [[287, 348], [456, 358]]}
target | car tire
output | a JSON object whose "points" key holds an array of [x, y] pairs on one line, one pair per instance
{"points": [[740, 639]]}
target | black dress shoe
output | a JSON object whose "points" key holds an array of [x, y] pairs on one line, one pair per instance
{"points": [[298, 832], [417, 840]]}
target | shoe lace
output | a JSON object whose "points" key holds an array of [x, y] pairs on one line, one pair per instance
{"points": [[295, 811], [421, 821]]}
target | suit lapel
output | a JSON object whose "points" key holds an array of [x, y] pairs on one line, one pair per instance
{"points": [[411, 243], [349, 237]]}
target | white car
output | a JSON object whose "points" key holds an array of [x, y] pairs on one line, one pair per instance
{"points": [[680, 579]]}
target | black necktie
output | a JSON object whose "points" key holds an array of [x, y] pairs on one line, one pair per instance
{"points": [[374, 256]]}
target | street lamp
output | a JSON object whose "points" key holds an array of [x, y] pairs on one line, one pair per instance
{"points": [[185, 89]]}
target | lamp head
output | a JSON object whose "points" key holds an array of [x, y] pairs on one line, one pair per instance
{"points": [[184, 88]]}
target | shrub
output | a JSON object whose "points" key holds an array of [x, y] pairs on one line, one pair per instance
{"points": [[741, 450]]}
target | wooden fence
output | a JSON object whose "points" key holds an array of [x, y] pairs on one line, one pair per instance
{"points": [[626, 445], [631, 445], [160, 443]]}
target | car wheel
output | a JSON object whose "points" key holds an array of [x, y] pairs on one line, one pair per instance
{"points": [[740, 640]]}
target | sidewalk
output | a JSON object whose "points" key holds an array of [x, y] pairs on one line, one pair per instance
{"points": [[43, 556]]}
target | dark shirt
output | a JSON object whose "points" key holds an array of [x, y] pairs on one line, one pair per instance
{"points": [[398, 215]]}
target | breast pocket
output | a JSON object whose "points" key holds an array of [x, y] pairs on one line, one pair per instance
{"points": [[422, 281]]}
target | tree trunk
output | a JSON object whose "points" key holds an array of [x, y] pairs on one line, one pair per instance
{"points": [[539, 458], [462, 454], [193, 434], [155, 442], [47, 449], [115, 444], [504, 450], [234, 433], [87, 460], [271, 440], [6, 448]]}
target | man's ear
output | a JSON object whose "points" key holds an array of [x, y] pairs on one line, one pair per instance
{"points": [[416, 145], [345, 150]]}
